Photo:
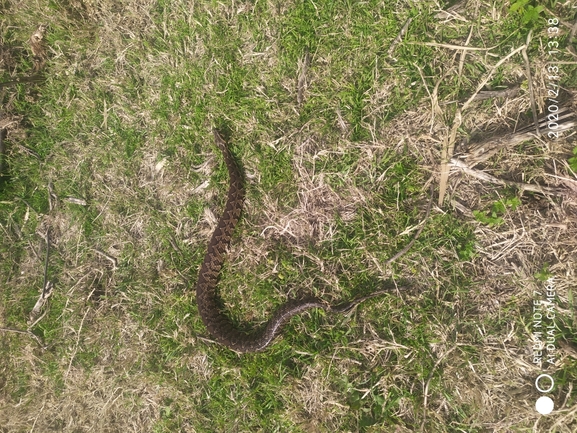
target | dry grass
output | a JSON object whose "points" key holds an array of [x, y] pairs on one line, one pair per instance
{"points": [[338, 157]]}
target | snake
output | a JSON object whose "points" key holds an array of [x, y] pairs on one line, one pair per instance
{"points": [[217, 322]]}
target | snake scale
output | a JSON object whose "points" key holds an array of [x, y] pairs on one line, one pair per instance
{"points": [[216, 321]]}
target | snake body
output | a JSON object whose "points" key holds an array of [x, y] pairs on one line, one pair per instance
{"points": [[216, 321]]}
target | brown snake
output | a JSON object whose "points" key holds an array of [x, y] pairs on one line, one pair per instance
{"points": [[218, 324]]}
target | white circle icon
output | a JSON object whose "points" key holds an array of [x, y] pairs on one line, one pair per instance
{"points": [[544, 405]]}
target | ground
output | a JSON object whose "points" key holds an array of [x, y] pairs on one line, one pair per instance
{"points": [[343, 116]]}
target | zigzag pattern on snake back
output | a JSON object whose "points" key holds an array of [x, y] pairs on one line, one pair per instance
{"points": [[219, 324]]}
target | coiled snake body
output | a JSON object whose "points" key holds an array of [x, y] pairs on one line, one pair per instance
{"points": [[218, 324]]}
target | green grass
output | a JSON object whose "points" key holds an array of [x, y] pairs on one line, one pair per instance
{"points": [[123, 121]]}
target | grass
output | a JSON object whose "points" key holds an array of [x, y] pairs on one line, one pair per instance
{"points": [[112, 154]]}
